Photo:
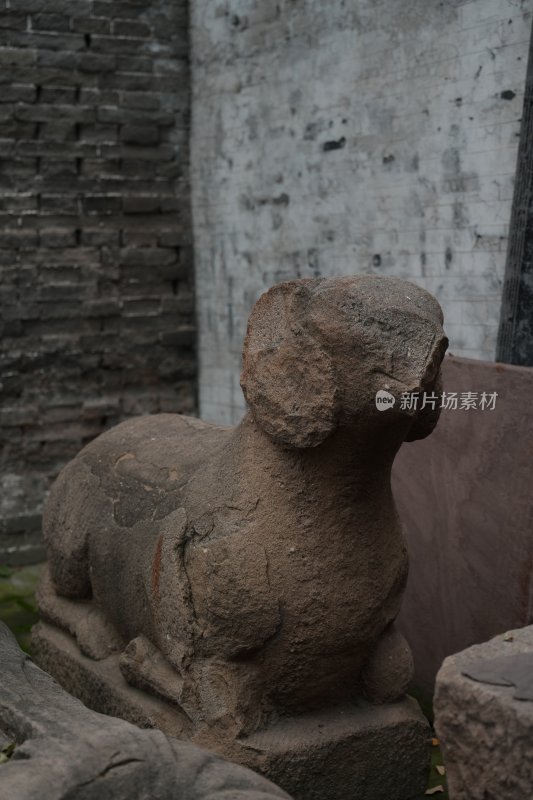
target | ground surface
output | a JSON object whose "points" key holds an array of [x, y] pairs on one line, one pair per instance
{"points": [[18, 610]]}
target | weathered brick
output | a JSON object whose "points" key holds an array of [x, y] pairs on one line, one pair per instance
{"points": [[183, 336], [18, 202], [91, 25], [13, 20], [169, 203], [40, 112], [97, 63], [57, 60], [58, 132], [56, 94], [18, 92], [147, 256], [124, 116], [42, 149], [99, 133], [134, 82], [52, 6], [163, 152], [102, 204], [142, 100], [174, 169], [13, 416], [49, 75], [50, 22], [159, 271], [167, 26], [100, 236], [57, 237], [103, 307], [139, 30], [61, 309], [135, 63], [98, 407], [59, 204], [171, 238], [19, 169], [64, 431], [115, 45], [55, 169], [48, 41], [109, 8], [142, 307], [94, 96], [182, 305], [12, 57], [140, 237], [140, 204], [139, 169], [140, 134], [99, 168]]}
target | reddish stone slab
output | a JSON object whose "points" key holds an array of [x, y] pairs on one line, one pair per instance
{"points": [[465, 497]]}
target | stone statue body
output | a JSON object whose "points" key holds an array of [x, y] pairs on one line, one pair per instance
{"points": [[251, 573]]}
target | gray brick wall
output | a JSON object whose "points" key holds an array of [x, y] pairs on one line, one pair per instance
{"points": [[339, 137], [96, 286]]}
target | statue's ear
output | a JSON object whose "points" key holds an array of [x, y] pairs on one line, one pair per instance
{"points": [[287, 379]]}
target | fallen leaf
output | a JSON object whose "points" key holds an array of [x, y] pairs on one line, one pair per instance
{"points": [[435, 742], [508, 637], [6, 752], [435, 790], [440, 769]]}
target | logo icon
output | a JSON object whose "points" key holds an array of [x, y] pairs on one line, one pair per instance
{"points": [[384, 400]]}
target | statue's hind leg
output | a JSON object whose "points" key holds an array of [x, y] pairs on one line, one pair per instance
{"points": [[389, 669]]}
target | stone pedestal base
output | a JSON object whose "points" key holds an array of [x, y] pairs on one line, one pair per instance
{"points": [[359, 752], [484, 718]]}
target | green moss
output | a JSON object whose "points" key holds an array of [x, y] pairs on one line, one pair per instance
{"points": [[18, 608]]}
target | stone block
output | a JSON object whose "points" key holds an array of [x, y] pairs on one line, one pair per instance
{"points": [[55, 748], [373, 752], [484, 718]]}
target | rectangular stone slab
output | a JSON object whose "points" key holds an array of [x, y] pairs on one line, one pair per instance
{"points": [[374, 752], [464, 496], [359, 751]]}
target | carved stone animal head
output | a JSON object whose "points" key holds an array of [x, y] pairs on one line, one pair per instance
{"points": [[318, 350]]}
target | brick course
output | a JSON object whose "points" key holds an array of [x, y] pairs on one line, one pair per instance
{"points": [[95, 243]]}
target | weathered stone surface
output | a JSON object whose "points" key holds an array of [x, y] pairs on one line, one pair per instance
{"points": [[63, 750], [485, 722], [372, 752], [251, 574]]}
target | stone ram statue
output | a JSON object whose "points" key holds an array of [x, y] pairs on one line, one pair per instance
{"points": [[252, 574]]}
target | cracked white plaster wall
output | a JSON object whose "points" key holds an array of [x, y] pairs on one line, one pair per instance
{"points": [[351, 137]]}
